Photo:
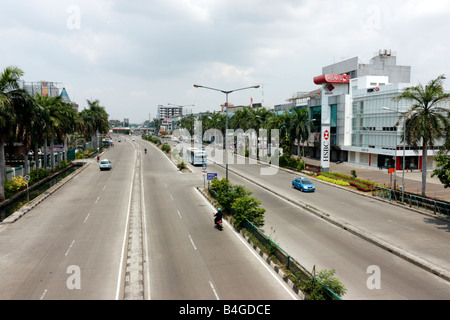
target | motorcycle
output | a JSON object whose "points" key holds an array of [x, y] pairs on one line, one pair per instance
{"points": [[218, 220], [219, 225]]}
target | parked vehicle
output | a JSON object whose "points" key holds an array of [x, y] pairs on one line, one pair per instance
{"points": [[303, 184]]}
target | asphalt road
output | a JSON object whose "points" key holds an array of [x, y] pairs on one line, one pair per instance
{"points": [[188, 257], [75, 244], [314, 242]]}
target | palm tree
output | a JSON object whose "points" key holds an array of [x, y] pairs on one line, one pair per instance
{"points": [[300, 126], [240, 119], [15, 104], [99, 118], [39, 124], [61, 120], [188, 123], [86, 123], [425, 122]]}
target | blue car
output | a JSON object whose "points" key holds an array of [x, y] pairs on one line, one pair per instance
{"points": [[303, 184], [105, 164]]}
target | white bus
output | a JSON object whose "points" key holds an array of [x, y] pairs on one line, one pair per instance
{"points": [[196, 156]]}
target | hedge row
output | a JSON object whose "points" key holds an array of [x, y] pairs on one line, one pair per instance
{"points": [[237, 201], [362, 185]]}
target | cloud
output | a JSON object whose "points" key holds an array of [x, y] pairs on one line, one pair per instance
{"points": [[159, 49]]}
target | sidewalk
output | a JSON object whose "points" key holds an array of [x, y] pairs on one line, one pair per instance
{"points": [[413, 180]]}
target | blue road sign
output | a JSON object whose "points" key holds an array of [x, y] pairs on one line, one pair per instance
{"points": [[210, 176]]}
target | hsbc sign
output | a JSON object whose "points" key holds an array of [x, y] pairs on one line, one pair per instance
{"points": [[332, 85], [332, 78], [328, 88], [326, 145]]}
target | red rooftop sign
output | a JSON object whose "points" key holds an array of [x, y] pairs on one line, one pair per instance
{"points": [[332, 78]]}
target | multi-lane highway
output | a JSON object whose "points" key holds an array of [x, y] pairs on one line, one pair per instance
{"points": [[143, 231], [315, 242], [76, 244]]}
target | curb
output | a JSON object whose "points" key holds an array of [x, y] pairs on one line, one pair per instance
{"points": [[422, 263], [33, 203], [264, 256]]}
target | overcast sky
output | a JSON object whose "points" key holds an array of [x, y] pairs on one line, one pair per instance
{"points": [[135, 55]]}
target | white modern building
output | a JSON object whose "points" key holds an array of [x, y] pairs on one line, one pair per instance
{"points": [[355, 115]]}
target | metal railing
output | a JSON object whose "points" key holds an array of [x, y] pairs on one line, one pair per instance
{"points": [[414, 201], [286, 260], [33, 165]]}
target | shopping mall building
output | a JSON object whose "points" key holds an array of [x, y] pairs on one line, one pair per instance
{"points": [[355, 115]]}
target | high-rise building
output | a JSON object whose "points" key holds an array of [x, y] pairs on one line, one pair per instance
{"points": [[44, 88], [171, 112]]}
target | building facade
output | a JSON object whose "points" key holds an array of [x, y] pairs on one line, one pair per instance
{"points": [[355, 119], [168, 116]]}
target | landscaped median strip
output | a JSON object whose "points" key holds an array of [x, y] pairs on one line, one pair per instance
{"points": [[33, 203], [422, 263], [264, 256]]}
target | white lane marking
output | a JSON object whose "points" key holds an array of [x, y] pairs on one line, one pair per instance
{"points": [[146, 252], [214, 290], [348, 205], [179, 214], [70, 247], [43, 294], [171, 196], [401, 225], [125, 234], [192, 241], [97, 199], [85, 219]]}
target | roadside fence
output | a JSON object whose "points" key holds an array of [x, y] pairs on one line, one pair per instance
{"points": [[414, 201], [33, 165], [286, 260]]}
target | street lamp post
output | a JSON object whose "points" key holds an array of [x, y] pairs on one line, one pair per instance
{"points": [[404, 147], [227, 92]]}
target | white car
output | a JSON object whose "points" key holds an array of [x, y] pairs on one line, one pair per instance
{"points": [[105, 164]]}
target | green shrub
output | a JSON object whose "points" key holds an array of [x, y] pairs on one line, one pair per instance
{"points": [[288, 160], [36, 175], [316, 288], [335, 181], [238, 200], [360, 184], [14, 185], [247, 207], [227, 193], [165, 148], [181, 165]]}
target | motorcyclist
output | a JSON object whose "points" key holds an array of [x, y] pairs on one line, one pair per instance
{"points": [[218, 216]]}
